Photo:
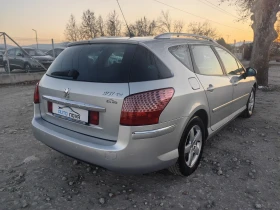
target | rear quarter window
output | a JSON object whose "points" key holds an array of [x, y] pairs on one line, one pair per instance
{"points": [[182, 53], [146, 66]]}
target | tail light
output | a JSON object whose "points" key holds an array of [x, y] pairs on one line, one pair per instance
{"points": [[36, 94], [145, 108], [93, 117]]}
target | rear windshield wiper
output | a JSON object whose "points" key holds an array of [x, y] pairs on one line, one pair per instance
{"points": [[68, 73]]}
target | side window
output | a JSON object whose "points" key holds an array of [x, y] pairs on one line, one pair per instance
{"points": [[19, 52], [241, 68], [205, 60], [229, 62], [11, 52], [182, 53], [146, 66]]}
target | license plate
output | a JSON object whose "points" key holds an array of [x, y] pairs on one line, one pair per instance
{"points": [[70, 113]]}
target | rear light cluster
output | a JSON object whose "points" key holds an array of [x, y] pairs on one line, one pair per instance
{"points": [[36, 99], [93, 118], [145, 108]]}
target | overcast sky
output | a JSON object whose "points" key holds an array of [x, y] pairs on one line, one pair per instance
{"points": [[49, 17]]}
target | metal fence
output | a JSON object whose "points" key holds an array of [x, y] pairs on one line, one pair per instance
{"points": [[17, 55]]}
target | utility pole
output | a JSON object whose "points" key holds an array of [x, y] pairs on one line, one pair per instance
{"points": [[36, 37]]}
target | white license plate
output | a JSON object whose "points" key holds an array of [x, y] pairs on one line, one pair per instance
{"points": [[70, 113]]}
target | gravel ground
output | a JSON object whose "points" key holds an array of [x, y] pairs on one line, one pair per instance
{"points": [[239, 169]]}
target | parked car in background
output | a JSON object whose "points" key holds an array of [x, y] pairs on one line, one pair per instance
{"points": [[139, 105], [19, 60], [57, 51], [1, 57]]}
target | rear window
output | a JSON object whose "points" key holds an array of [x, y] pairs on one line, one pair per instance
{"points": [[108, 63]]}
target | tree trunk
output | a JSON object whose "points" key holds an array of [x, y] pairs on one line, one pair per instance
{"points": [[264, 17]]}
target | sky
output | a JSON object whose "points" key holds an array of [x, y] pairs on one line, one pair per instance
{"points": [[49, 17]]}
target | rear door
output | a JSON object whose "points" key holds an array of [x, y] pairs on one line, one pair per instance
{"points": [[234, 70], [216, 84], [85, 80], [19, 61], [11, 56]]}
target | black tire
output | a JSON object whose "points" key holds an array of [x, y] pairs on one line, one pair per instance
{"points": [[248, 112], [181, 167], [27, 67]]}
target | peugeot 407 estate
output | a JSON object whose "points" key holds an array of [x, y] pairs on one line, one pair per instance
{"points": [[137, 105]]}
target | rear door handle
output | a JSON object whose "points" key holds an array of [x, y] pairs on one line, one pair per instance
{"points": [[210, 88]]}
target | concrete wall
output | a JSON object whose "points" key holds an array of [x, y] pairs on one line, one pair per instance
{"points": [[20, 77]]}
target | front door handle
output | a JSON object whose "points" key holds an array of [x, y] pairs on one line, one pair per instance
{"points": [[210, 88]]}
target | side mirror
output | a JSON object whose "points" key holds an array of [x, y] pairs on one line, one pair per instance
{"points": [[251, 72]]}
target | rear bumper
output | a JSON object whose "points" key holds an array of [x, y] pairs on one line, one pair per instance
{"points": [[127, 155]]}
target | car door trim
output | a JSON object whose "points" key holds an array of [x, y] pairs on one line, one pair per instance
{"points": [[75, 104], [153, 133], [228, 103]]}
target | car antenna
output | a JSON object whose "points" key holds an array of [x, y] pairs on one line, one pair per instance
{"points": [[130, 34]]}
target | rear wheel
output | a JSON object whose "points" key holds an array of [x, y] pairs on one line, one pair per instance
{"points": [[190, 148], [27, 67], [248, 112]]}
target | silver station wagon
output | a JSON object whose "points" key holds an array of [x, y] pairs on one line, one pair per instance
{"points": [[137, 105]]}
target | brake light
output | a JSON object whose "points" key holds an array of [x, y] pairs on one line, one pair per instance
{"points": [[36, 99], [93, 117], [49, 107], [145, 108]]}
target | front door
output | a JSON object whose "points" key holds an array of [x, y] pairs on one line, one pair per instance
{"points": [[234, 70], [217, 86]]}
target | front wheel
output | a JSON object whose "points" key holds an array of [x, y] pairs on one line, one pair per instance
{"points": [[27, 68], [248, 112], [190, 148]]}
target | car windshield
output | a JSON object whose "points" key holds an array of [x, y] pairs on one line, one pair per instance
{"points": [[34, 52]]}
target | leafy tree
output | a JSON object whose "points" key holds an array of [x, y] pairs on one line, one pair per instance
{"points": [[222, 42], [263, 14]]}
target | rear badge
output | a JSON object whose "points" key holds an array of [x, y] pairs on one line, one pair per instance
{"points": [[111, 101], [66, 92]]}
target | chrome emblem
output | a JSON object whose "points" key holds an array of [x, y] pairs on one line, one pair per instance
{"points": [[66, 92]]}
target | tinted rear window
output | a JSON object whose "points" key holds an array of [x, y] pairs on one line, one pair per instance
{"points": [[108, 63]]}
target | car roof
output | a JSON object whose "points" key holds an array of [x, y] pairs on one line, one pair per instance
{"points": [[163, 38]]}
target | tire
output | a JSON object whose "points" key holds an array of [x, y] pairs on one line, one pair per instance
{"points": [[191, 139], [27, 67], [248, 112]]}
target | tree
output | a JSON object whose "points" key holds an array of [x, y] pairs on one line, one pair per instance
{"points": [[72, 30], [100, 26], [178, 26], [263, 14], [89, 26], [165, 22], [113, 24], [142, 27], [222, 42], [203, 29]]}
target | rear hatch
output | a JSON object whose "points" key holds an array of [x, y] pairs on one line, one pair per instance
{"points": [[84, 88]]}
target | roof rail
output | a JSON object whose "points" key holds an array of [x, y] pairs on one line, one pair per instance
{"points": [[180, 35]]}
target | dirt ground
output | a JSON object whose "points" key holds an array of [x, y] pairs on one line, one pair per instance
{"points": [[240, 167]]}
